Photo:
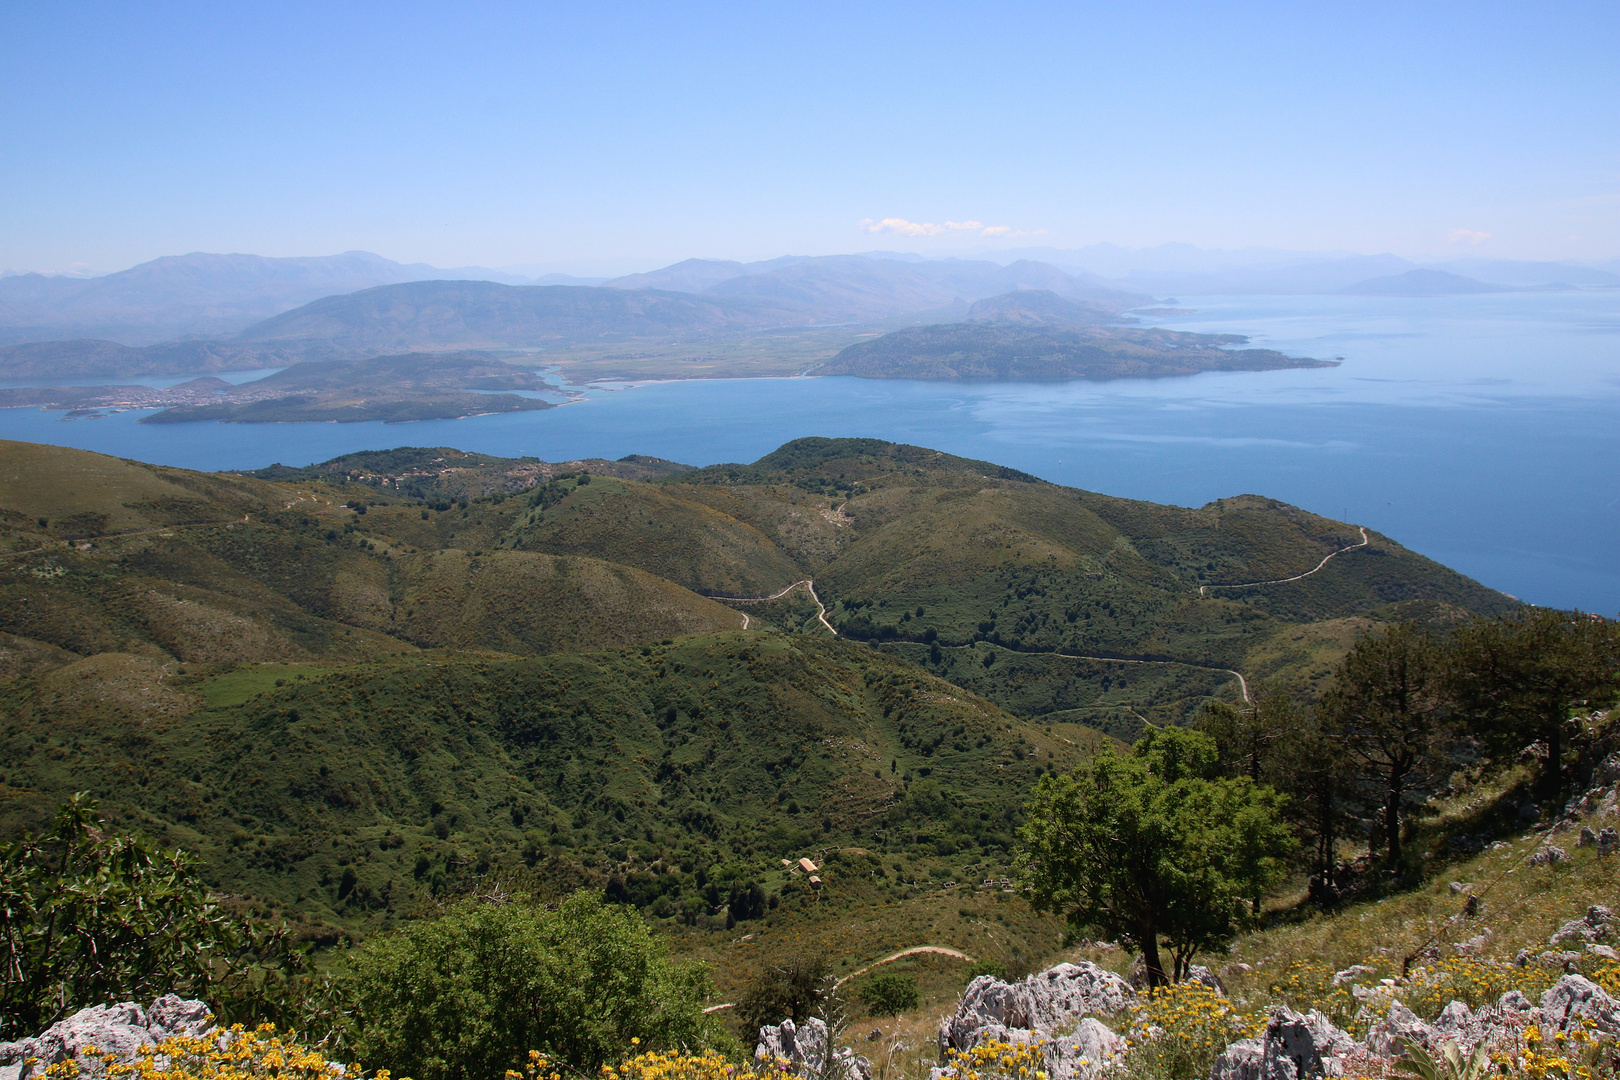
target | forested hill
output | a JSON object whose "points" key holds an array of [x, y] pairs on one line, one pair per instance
{"points": [[356, 686]]}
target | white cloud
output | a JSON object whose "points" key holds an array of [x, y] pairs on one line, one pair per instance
{"points": [[902, 227], [1469, 236]]}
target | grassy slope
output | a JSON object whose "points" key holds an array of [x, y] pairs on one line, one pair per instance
{"points": [[972, 552], [310, 776], [722, 753], [655, 529], [198, 569], [84, 494]]}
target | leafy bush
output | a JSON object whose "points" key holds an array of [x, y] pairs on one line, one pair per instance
{"points": [[779, 992], [92, 917], [888, 993], [471, 993]]}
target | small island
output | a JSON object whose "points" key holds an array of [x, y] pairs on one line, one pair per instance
{"points": [[1000, 350]]}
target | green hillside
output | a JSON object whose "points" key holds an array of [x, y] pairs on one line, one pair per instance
{"points": [[357, 794], [651, 527], [359, 687]]}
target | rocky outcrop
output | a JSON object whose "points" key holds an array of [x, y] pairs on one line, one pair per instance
{"points": [[1591, 927], [1574, 999], [991, 1008], [1293, 1046], [804, 1048], [1550, 855], [111, 1029], [1401, 1026], [1034, 1009]]}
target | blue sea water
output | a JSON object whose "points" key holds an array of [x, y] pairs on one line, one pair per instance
{"points": [[1481, 431]]}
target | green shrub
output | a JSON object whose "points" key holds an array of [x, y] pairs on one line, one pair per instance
{"points": [[779, 992], [471, 993], [888, 993], [92, 916]]}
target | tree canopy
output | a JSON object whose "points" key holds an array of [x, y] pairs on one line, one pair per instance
{"points": [[1517, 679], [1154, 845], [1388, 708]]}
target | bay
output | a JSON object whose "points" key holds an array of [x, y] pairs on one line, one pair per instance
{"points": [[1480, 431]]}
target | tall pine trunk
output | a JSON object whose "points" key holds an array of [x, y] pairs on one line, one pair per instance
{"points": [[1150, 959], [1392, 811], [1552, 779]]}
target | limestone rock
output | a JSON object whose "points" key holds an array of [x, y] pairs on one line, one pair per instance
{"points": [[1039, 1003], [1085, 1054], [1587, 837], [120, 1029], [1401, 1025], [1198, 973], [1293, 1046], [1351, 974], [1514, 1003], [1549, 856], [172, 1014], [1457, 1023], [804, 1048], [1575, 998], [1608, 840], [1240, 1061], [1593, 926]]}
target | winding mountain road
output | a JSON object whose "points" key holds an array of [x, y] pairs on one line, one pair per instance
{"points": [[940, 950], [1365, 540], [810, 587], [1243, 684]]}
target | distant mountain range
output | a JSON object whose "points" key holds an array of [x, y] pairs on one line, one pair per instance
{"points": [[1183, 269], [205, 312], [1438, 283], [222, 296], [198, 295]]}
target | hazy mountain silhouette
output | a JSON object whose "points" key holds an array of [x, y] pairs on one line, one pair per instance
{"points": [[1422, 283], [196, 295]]}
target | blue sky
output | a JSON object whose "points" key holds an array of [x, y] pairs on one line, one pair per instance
{"points": [[621, 135]]}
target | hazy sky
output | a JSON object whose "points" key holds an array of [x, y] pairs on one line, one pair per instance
{"points": [[600, 134]]}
